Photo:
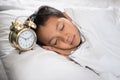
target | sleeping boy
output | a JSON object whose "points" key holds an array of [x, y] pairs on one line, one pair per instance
{"points": [[58, 32], [55, 31]]}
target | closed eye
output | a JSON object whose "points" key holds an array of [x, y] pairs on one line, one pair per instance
{"points": [[62, 27], [54, 41]]}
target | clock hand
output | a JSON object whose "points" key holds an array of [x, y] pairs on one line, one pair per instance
{"points": [[23, 38], [29, 37]]}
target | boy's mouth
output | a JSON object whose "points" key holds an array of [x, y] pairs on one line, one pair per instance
{"points": [[73, 40]]}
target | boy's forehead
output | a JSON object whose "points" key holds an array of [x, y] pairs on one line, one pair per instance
{"points": [[51, 20], [47, 31]]}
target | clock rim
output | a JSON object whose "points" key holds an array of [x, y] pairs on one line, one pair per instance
{"points": [[17, 43]]}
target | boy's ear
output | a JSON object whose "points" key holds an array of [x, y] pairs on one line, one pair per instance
{"points": [[68, 17]]}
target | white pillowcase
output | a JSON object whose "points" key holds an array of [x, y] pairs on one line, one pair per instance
{"points": [[36, 64], [39, 64]]}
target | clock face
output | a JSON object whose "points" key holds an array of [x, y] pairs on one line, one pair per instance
{"points": [[26, 39]]}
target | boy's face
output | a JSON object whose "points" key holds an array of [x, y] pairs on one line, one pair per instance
{"points": [[60, 33]]}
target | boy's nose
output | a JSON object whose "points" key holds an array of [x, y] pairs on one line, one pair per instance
{"points": [[66, 38]]}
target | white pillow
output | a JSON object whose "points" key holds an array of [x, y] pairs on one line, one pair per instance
{"points": [[36, 64], [39, 64]]}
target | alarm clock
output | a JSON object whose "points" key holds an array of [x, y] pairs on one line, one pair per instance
{"points": [[22, 36]]}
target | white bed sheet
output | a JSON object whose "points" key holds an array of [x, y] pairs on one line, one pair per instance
{"points": [[40, 64]]}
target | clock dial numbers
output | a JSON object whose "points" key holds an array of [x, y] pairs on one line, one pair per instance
{"points": [[26, 39]]}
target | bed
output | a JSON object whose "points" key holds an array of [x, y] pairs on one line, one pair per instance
{"points": [[41, 64]]}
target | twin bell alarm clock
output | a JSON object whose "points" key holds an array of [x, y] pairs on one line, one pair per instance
{"points": [[21, 35]]}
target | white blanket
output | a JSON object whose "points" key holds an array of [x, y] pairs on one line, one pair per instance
{"points": [[101, 29]]}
